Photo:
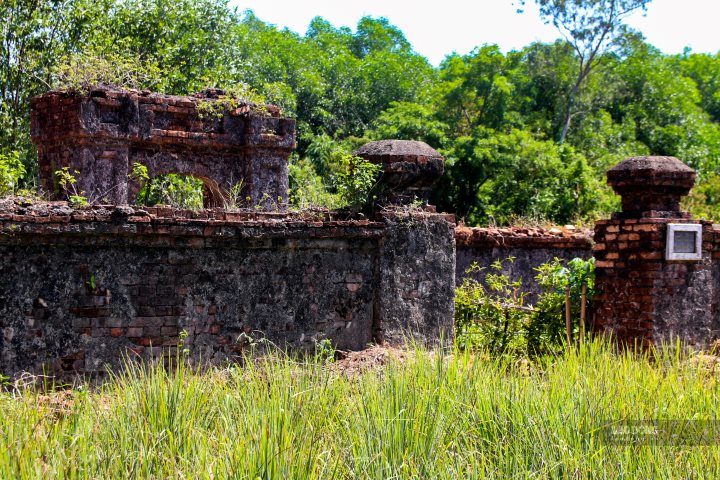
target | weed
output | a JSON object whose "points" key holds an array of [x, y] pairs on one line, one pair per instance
{"points": [[324, 351], [81, 72], [355, 179], [241, 96]]}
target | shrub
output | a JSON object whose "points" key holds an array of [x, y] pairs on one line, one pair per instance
{"points": [[492, 314], [11, 171], [175, 190], [81, 72], [355, 180]]}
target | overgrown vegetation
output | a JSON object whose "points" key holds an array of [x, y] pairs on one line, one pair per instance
{"points": [[179, 191], [11, 171], [431, 415], [493, 314], [525, 133]]}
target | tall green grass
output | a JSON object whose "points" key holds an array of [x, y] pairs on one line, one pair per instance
{"points": [[453, 416]]}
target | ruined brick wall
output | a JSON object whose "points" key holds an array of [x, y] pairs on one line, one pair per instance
{"points": [[531, 247], [101, 135], [644, 298], [81, 288]]}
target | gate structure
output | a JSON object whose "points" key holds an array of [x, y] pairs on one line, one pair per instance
{"points": [[102, 134]]}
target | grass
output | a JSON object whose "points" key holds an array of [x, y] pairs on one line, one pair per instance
{"points": [[428, 416]]}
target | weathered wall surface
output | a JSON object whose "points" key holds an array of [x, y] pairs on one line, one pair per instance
{"points": [[417, 271], [531, 247], [646, 299], [81, 288]]}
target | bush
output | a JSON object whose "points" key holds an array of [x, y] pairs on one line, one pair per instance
{"points": [[307, 188], [11, 171], [80, 72], [175, 190], [355, 180], [492, 314]]}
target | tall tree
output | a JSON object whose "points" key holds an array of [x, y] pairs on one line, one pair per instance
{"points": [[592, 27]]}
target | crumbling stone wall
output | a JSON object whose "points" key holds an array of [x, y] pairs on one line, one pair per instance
{"points": [[81, 288], [101, 135], [531, 247]]}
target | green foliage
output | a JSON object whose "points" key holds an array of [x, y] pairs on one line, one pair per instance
{"points": [[68, 185], [410, 121], [324, 351], [492, 314], [234, 199], [355, 180], [546, 328], [603, 93], [490, 317], [79, 72], [307, 188], [139, 174], [240, 94], [175, 190], [11, 171], [494, 176], [704, 199], [592, 27]]}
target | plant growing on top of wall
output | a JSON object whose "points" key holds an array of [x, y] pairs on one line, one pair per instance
{"points": [[493, 315], [80, 72], [233, 198], [240, 96], [68, 183], [355, 180]]}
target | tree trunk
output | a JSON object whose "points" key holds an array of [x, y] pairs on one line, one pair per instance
{"points": [[568, 109]]}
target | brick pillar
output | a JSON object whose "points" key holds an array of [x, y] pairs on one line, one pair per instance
{"points": [[644, 296]]}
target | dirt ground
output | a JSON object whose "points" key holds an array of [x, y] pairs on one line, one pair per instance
{"points": [[372, 358]]}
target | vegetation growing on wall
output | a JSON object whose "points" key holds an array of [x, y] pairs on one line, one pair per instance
{"points": [[519, 138]]}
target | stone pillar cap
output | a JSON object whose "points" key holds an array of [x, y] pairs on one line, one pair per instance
{"points": [[387, 151], [651, 186], [647, 172], [410, 168]]}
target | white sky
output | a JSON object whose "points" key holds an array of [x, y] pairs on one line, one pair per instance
{"points": [[436, 28]]}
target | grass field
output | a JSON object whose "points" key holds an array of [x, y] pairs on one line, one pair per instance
{"points": [[424, 415]]}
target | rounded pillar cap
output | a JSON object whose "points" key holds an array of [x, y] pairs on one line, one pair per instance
{"points": [[647, 172], [389, 151], [651, 186], [410, 168]]}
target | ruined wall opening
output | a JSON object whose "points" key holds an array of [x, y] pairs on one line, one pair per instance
{"points": [[181, 191]]}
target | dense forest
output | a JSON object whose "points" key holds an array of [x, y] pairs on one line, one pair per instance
{"points": [[524, 136]]}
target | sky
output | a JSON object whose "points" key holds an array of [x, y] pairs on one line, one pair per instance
{"points": [[439, 27]]}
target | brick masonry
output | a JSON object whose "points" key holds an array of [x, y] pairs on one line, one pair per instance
{"points": [[101, 135], [79, 289], [643, 298]]}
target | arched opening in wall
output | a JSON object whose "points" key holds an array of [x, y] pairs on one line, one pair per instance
{"points": [[180, 191]]}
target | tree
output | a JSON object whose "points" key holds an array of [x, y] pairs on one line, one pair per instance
{"points": [[592, 27], [33, 35]]}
